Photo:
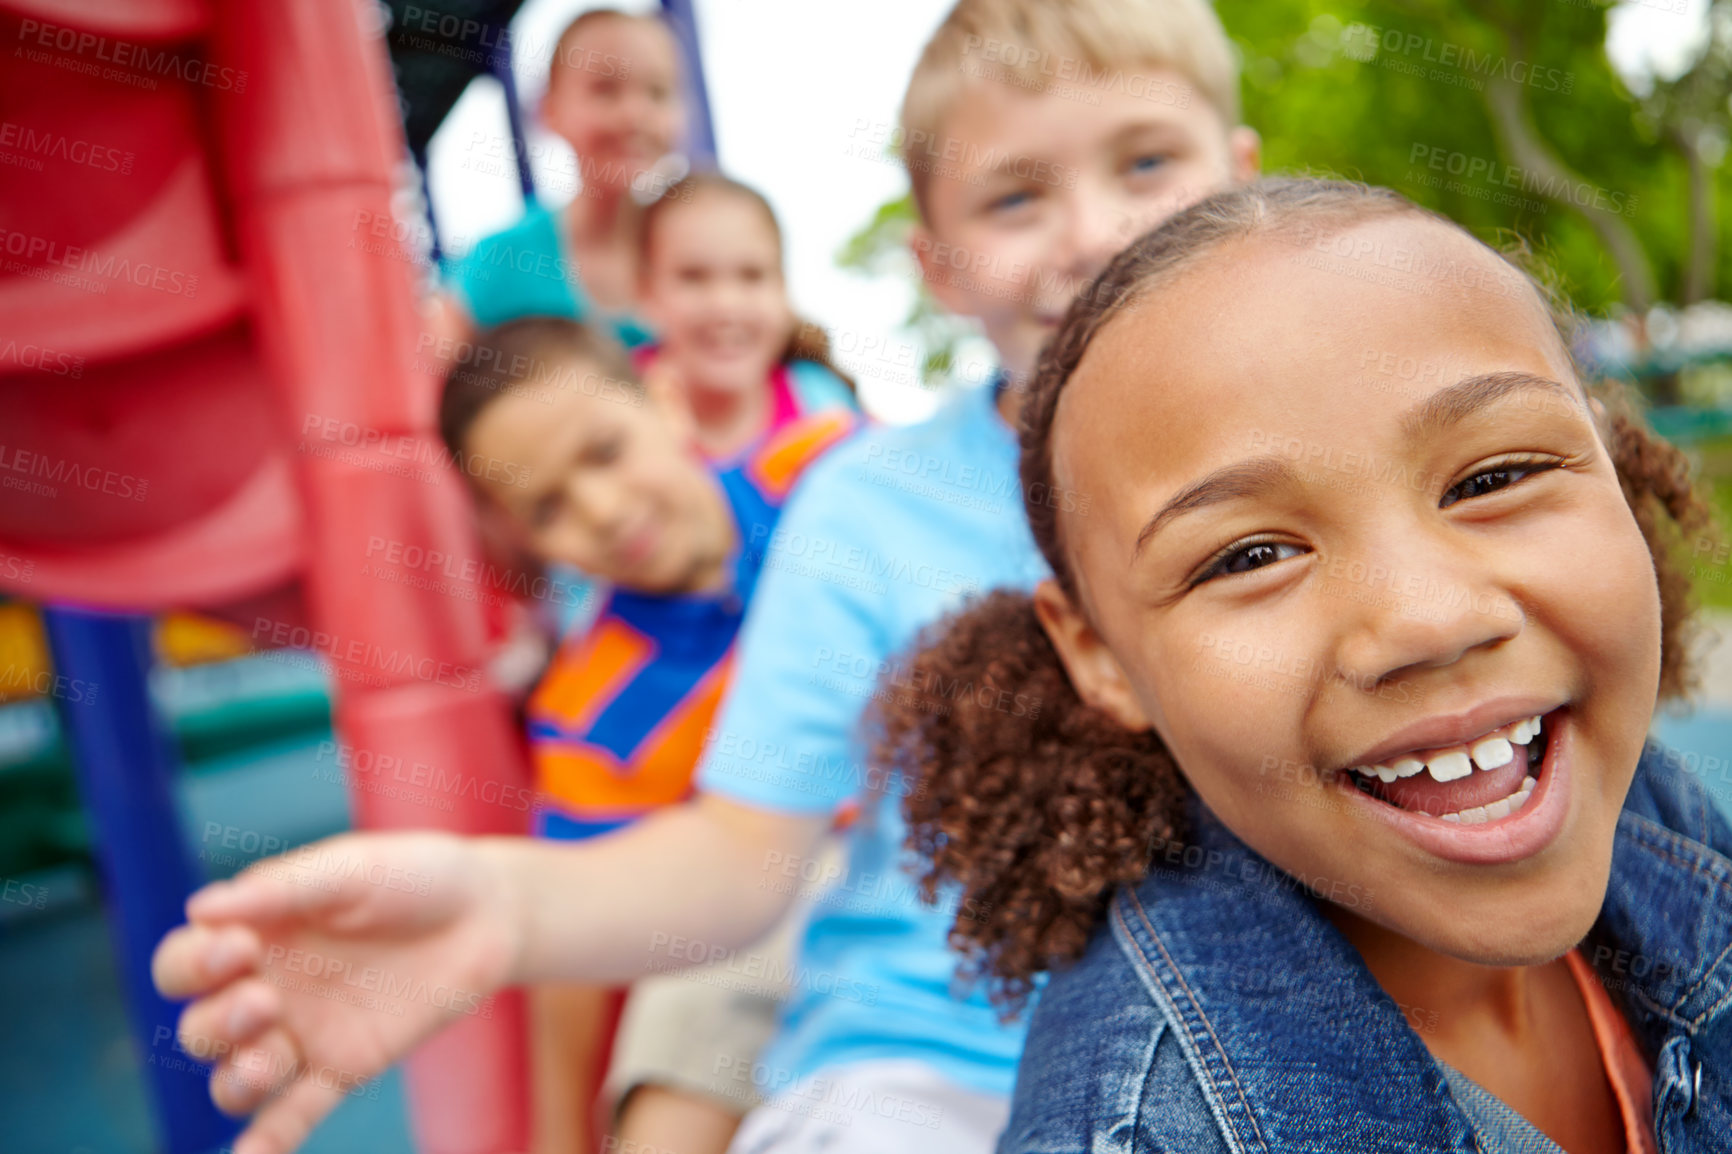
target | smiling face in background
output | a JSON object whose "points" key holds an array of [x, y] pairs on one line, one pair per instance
{"points": [[713, 286], [1418, 543], [609, 481], [613, 94], [1029, 194]]}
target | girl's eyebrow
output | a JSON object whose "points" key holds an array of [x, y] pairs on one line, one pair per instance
{"points": [[1448, 407], [1443, 409], [1240, 479]]}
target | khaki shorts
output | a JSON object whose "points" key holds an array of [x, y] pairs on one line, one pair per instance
{"points": [[692, 1029]]}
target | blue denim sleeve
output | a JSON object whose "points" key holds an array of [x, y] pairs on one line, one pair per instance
{"points": [[785, 736], [1102, 1071]]}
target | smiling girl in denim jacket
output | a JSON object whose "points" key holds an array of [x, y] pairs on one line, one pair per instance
{"points": [[1336, 824]]}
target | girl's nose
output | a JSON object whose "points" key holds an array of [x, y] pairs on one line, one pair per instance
{"points": [[1421, 614]]}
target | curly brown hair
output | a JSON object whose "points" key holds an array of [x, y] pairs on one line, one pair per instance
{"points": [[1037, 814]]}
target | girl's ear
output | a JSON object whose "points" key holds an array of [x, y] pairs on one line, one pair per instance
{"points": [[1097, 675]]}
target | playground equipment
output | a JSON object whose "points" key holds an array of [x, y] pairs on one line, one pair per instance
{"points": [[209, 397], [208, 394]]}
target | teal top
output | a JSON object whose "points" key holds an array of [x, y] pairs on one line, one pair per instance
{"points": [[526, 270]]}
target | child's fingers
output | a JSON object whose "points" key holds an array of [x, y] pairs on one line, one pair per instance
{"points": [[253, 1072], [193, 960], [277, 889], [284, 1123], [230, 1018]]}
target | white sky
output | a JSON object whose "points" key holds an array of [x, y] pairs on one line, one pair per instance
{"points": [[794, 85], [1655, 38]]}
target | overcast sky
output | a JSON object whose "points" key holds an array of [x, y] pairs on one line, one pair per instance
{"points": [[796, 87]]}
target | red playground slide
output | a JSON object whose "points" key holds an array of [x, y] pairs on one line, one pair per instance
{"points": [[209, 395]]}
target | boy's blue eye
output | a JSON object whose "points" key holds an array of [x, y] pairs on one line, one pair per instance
{"points": [[1491, 480], [1245, 558], [1011, 200]]}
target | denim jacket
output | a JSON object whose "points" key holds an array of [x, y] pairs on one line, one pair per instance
{"points": [[1217, 1010]]}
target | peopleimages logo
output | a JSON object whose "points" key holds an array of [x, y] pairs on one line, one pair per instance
{"points": [[38, 250], [365, 654], [1458, 63], [38, 473], [41, 358], [121, 57], [42, 143]]}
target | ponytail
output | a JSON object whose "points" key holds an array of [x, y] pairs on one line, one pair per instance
{"points": [[809, 342], [1033, 803]]}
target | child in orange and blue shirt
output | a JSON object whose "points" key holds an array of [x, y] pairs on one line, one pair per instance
{"points": [[609, 479], [618, 722]]}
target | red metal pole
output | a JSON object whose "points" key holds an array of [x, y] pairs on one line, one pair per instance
{"points": [[311, 142]]}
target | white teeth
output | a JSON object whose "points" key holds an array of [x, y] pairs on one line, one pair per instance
{"points": [[1449, 766], [1492, 752], [1525, 730], [1491, 811]]}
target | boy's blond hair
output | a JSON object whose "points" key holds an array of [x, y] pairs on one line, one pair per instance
{"points": [[1086, 45]]}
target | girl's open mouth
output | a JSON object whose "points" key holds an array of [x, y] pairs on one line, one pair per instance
{"points": [[1498, 797], [1487, 779]]}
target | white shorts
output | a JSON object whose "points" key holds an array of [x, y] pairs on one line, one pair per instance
{"points": [[898, 1105]]}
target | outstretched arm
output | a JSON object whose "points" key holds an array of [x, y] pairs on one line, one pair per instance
{"points": [[315, 970]]}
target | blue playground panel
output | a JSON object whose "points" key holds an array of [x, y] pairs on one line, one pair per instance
{"points": [[72, 1078], [1704, 741]]}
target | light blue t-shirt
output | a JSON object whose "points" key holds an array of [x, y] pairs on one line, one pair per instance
{"points": [[526, 270], [893, 528]]}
